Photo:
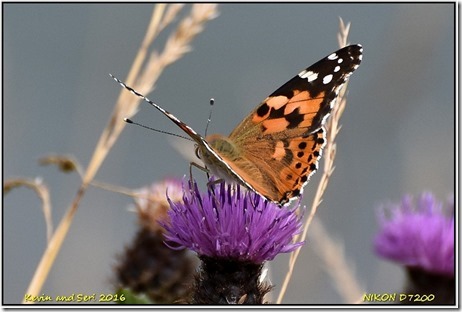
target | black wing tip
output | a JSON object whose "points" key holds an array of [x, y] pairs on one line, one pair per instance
{"points": [[354, 46], [355, 50]]}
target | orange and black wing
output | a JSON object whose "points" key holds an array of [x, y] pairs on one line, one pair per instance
{"points": [[284, 135]]}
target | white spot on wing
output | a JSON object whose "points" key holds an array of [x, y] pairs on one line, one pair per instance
{"points": [[327, 79], [309, 75], [340, 60], [333, 56], [336, 69]]}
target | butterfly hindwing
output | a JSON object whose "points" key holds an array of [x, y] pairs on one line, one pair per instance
{"points": [[296, 169], [276, 169]]}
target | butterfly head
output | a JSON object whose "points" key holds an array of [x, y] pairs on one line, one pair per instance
{"points": [[217, 152]]}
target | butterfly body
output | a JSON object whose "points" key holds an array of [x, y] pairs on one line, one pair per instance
{"points": [[276, 148]]}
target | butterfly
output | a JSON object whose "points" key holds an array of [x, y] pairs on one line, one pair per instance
{"points": [[276, 148]]}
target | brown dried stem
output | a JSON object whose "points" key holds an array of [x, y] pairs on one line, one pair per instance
{"points": [[43, 193], [177, 45]]}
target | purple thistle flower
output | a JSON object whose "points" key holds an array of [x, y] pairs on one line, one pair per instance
{"points": [[231, 223], [419, 235]]}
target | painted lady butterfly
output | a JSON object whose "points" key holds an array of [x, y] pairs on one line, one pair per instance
{"points": [[276, 148]]}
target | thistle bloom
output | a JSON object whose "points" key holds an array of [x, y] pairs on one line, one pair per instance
{"points": [[234, 232], [232, 224], [419, 234]]}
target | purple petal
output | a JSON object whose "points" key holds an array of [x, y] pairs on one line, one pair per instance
{"points": [[243, 226]]}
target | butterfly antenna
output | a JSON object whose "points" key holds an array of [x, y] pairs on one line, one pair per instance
{"points": [[212, 101], [196, 137], [127, 120]]}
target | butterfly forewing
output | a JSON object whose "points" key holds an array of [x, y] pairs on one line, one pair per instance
{"points": [[307, 99]]}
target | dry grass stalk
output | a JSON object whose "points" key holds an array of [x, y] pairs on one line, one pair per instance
{"points": [[336, 264], [332, 128], [170, 15], [43, 193], [126, 106], [118, 189], [176, 46]]}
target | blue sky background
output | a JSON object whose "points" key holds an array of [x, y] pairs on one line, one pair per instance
{"points": [[397, 135]]}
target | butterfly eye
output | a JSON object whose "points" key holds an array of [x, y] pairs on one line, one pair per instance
{"points": [[198, 155]]}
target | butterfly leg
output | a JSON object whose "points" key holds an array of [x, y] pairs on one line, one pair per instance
{"points": [[193, 164], [210, 184], [202, 168]]}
